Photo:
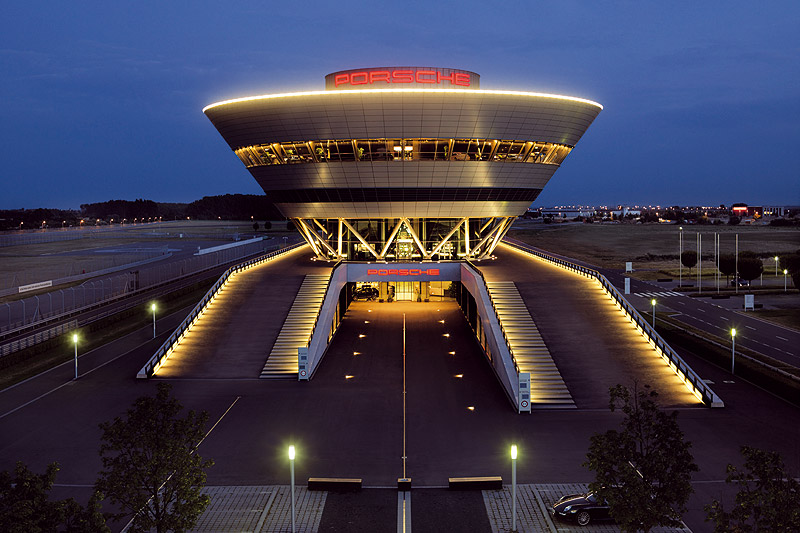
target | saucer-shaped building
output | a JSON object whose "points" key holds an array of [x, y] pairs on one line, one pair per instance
{"points": [[403, 163]]}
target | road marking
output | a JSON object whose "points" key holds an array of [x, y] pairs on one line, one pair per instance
{"points": [[723, 318], [701, 310], [750, 327], [781, 338], [404, 512]]}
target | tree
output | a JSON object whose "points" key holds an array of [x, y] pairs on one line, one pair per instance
{"points": [[643, 470], [151, 465], [25, 507], [768, 498], [689, 258], [727, 266], [750, 266], [267, 224], [256, 226]]}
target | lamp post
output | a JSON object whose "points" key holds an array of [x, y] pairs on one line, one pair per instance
{"points": [[153, 307], [513, 487], [75, 342], [733, 348], [776, 266], [653, 303], [785, 271], [291, 468]]}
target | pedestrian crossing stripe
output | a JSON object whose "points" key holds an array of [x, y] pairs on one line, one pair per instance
{"points": [[662, 294]]}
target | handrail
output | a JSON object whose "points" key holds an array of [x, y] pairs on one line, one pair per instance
{"points": [[166, 349], [319, 310], [689, 377], [497, 315]]}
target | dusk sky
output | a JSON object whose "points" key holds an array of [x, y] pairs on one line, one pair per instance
{"points": [[103, 100]]}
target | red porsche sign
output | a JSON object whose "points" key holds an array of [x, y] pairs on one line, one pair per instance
{"points": [[402, 272], [387, 77]]}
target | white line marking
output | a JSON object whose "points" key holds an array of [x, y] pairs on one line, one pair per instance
{"points": [[723, 318], [750, 327], [702, 310], [781, 338]]}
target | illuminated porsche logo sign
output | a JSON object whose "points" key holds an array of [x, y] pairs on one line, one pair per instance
{"points": [[402, 77]]}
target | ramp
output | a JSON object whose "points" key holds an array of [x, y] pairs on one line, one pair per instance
{"points": [[547, 388], [297, 328]]}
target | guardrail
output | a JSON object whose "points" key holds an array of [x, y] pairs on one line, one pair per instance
{"points": [[166, 349], [31, 340], [684, 372]]}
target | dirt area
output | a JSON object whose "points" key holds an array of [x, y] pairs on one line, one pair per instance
{"points": [[653, 248]]}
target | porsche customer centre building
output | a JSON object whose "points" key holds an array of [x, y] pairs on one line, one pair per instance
{"points": [[403, 164]]}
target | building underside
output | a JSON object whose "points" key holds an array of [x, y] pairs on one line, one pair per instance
{"points": [[403, 239]]}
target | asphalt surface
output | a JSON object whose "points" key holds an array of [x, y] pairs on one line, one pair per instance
{"points": [[353, 427], [714, 316]]}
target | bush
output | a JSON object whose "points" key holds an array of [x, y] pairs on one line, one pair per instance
{"points": [[689, 258]]}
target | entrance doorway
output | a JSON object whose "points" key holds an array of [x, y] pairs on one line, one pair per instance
{"points": [[406, 291]]}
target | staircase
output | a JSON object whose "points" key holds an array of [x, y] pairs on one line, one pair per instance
{"points": [[528, 348], [296, 329]]}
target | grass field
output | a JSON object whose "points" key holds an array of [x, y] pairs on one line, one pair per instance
{"points": [[30, 263], [653, 247]]}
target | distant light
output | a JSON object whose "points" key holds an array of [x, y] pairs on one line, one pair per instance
{"points": [[75, 338], [653, 301], [291, 452], [356, 353], [366, 322], [459, 376], [471, 408], [153, 307], [514, 451], [452, 353], [361, 336], [446, 335], [369, 310], [733, 332], [441, 322], [348, 376]]}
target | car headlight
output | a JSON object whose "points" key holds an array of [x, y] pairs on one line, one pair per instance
{"points": [[567, 508]]}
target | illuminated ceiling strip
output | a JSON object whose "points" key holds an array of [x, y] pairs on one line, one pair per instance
{"points": [[428, 91]]}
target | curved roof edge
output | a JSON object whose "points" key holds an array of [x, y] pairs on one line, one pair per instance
{"points": [[373, 91]]}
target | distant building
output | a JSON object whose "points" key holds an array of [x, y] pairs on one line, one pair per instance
{"points": [[567, 212]]}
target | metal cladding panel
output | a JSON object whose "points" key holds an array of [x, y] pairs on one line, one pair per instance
{"points": [[402, 114], [402, 209], [403, 174]]}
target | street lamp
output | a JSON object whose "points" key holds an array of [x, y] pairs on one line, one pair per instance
{"points": [[733, 348], [513, 487], [75, 342], [653, 303], [291, 466], [153, 308], [784, 279]]}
